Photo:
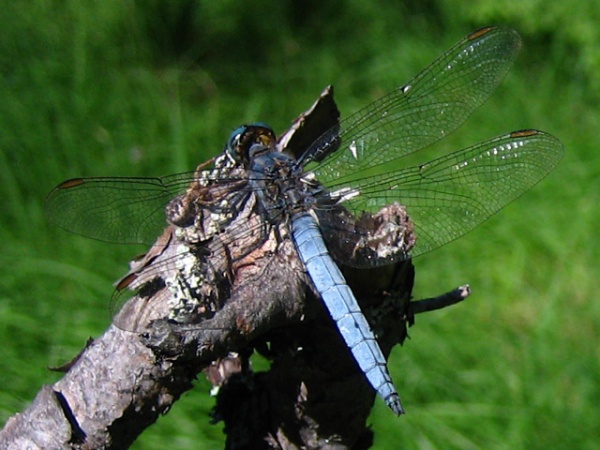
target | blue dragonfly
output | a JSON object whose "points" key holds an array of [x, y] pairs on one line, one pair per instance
{"points": [[327, 194]]}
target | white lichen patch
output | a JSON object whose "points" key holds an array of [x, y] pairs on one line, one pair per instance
{"points": [[388, 242], [185, 284]]}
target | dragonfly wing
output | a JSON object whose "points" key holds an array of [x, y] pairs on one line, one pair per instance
{"points": [[449, 196], [426, 109], [121, 210]]}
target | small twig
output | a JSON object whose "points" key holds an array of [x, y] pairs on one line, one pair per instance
{"points": [[449, 298]]}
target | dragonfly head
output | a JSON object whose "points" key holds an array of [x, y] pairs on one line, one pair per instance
{"points": [[244, 137]]}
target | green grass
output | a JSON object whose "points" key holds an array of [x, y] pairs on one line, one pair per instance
{"points": [[109, 88]]}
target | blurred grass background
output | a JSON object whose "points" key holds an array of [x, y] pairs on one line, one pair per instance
{"points": [[153, 87]]}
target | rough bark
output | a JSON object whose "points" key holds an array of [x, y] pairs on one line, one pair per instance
{"points": [[313, 396], [208, 296]]}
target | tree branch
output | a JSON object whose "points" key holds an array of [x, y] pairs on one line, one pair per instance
{"points": [[204, 301]]}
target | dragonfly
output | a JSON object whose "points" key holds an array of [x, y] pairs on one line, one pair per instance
{"points": [[328, 192]]}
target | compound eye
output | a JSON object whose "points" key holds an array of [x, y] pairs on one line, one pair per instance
{"points": [[233, 143], [244, 137]]}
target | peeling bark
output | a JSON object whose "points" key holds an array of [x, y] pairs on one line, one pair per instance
{"points": [[313, 396], [208, 296]]}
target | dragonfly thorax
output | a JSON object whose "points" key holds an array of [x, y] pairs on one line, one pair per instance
{"points": [[277, 180]]}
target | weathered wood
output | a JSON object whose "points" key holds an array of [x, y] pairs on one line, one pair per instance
{"points": [[206, 298], [123, 381], [118, 386], [313, 396]]}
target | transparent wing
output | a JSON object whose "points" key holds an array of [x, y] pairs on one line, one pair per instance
{"points": [[449, 196], [433, 104], [122, 210]]}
